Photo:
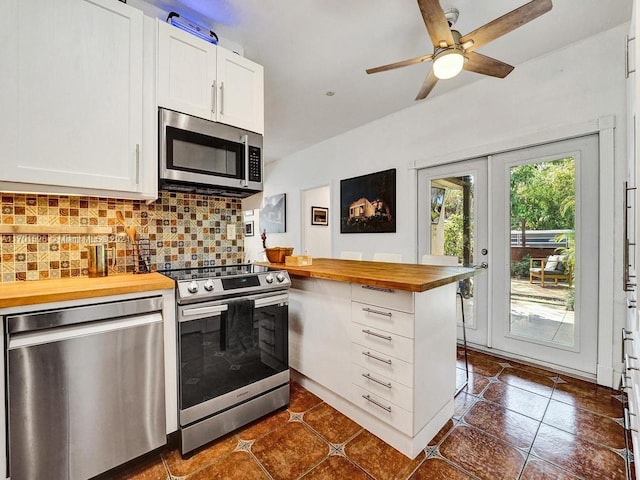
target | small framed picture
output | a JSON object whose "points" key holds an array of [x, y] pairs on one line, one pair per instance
{"points": [[319, 216], [248, 228]]}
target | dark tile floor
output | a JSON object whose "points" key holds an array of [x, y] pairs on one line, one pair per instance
{"points": [[512, 422]]}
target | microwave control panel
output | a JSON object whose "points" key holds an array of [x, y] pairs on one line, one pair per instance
{"points": [[255, 165]]}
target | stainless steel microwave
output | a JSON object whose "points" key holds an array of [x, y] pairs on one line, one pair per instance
{"points": [[201, 156]]}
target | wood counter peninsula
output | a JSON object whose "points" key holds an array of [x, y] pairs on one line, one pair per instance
{"points": [[377, 341]]}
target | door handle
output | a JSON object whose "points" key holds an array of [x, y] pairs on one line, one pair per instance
{"points": [[484, 265]]}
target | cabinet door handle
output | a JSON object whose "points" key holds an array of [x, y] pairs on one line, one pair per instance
{"points": [[137, 164], [384, 337], [627, 71], [375, 357], [373, 379], [214, 92], [624, 385], [377, 289], [377, 312], [627, 362], [221, 98], [376, 403]]}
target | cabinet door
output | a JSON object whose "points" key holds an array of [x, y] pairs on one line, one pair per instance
{"points": [[241, 91], [75, 90], [186, 73]]}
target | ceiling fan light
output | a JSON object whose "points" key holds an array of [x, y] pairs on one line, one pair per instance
{"points": [[448, 64]]}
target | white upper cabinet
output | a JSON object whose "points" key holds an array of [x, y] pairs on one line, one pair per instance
{"points": [[202, 79], [241, 91], [72, 96], [186, 72]]}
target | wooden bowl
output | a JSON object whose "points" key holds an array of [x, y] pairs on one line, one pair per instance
{"points": [[277, 254]]}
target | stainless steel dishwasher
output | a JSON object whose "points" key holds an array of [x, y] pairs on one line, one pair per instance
{"points": [[85, 388]]}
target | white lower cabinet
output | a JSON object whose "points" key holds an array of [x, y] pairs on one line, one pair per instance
{"points": [[379, 327], [388, 388], [386, 358], [631, 375], [382, 364], [383, 409]]}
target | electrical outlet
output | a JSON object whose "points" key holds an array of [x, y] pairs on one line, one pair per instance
{"points": [[231, 231]]}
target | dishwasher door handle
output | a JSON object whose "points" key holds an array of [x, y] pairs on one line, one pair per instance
{"points": [[28, 339]]}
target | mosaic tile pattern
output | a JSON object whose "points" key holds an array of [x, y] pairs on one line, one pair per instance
{"points": [[514, 422], [183, 231]]}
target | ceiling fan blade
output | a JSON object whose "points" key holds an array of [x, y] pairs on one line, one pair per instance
{"points": [[505, 24], [436, 23], [404, 63], [427, 86], [486, 65]]}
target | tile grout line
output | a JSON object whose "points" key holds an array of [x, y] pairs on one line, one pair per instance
{"points": [[533, 441]]}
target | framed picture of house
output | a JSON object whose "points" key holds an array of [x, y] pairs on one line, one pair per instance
{"points": [[248, 228], [368, 203], [319, 216], [437, 199], [273, 214]]}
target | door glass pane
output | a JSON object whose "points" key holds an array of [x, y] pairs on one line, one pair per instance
{"points": [[452, 214], [542, 251]]}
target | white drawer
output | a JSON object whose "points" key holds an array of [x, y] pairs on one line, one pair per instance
{"points": [[383, 409], [383, 297], [390, 344], [383, 318], [382, 364], [383, 387]]}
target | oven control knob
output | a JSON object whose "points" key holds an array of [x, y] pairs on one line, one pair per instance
{"points": [[269, 278], [208, 285], [193, 287], [280, 277]]}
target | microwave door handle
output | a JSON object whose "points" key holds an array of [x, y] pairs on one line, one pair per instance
{"points": [[245, 138]]}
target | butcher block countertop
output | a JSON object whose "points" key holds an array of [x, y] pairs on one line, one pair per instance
{"points": [[16, 294], [399, 276]]}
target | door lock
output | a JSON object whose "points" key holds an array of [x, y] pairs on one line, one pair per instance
{"points": [[484, 251]]}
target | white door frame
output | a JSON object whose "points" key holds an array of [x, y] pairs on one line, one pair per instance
{"points": [[611, 310]]}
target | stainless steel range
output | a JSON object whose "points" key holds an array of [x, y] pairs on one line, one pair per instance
{"points": [[232, 348]]}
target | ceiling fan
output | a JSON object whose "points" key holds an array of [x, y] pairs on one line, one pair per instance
{"points": [[453, 52]]}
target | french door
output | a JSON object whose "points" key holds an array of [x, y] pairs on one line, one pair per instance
{"points": [[452, 203], [544, 288], [531, 216]]}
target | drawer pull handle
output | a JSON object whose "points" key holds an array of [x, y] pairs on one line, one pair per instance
{"points": [[624, 385], [370, 355], [373, 379], [627, 420], [377, 404], [377, 312], [384, 337], [378, 289]]}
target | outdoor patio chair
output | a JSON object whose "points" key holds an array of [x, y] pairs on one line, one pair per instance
{"points": [[553, 267]]}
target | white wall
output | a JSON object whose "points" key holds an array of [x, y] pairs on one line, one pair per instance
{"points": [[574, 85], [316, 239], [578, 83]]}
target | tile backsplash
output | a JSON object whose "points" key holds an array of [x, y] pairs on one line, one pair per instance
{"points": [[183, 231]]}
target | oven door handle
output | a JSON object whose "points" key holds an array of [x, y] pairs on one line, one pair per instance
{"points": [[192, 312], [271, 300]]}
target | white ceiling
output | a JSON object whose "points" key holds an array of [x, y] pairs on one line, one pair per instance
{"points": [[314, 46]]}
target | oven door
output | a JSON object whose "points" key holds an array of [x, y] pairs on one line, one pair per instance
{"points": [[231, 351]]}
